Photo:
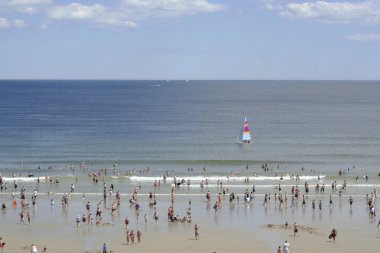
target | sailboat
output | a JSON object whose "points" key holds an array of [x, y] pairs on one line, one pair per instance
{"points": [[245, 134]]}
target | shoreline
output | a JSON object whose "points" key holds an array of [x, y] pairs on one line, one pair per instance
{"points": [[237, 225]]}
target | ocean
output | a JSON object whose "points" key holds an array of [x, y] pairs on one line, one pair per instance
{"points": [[130, 134], [322, 126]]}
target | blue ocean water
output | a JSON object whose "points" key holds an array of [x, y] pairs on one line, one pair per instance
{"points": [[323, 125]]}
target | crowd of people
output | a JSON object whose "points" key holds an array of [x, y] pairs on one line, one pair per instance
{"points": [[297, 195]]}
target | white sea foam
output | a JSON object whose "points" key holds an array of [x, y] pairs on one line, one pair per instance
{"points": [[25, 179], [223, 178], [284, 186]]}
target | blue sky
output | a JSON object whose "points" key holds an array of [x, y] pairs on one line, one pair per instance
{"points": [[190, 39]]}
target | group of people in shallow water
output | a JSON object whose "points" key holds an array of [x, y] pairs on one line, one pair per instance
{"points": [[280, 195]]}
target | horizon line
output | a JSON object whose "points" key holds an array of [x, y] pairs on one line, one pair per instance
{"points": [[184, 80]]}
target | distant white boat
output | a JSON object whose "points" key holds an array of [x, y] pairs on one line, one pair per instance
{"points": [[245, 134]]}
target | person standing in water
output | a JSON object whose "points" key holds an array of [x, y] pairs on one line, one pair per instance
{"points": [[196, 231], [331, 202], [295, 228], [138, 235]]}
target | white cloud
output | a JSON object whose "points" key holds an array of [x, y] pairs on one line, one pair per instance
{"points": [[117, 22], [120, 13], [27, 9], [170, 8], [272, 4], [98, 14], [28, 2], [365, 37], [76, 11], [4, 23], [24, 6], [359, 11], [16, 23], [44, 26], [130, 11]]}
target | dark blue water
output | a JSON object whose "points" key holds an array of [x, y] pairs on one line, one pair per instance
{"points": [[318, 124]]}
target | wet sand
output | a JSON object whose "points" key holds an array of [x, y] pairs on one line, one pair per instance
{"points": [[237, 227], [316, 239], [211, 240]]}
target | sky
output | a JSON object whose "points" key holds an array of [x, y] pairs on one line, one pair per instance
{"points": [[190, 39]]}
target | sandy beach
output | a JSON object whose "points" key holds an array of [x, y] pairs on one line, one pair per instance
{"points": [[237, 226], [211, 241], [350, 239]]}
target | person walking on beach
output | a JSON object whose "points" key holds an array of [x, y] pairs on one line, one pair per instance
{"points": [[293, 202], [34, 249], [196, 231], [279, 249], [295, 228], [138, 235], [29, 216], [104, 248], [78, 221], [351, 200], [333, 234], [156, 216], [126, 222], [132, 235], [216, 207], [128, 237], [285, 247], [331, 202], [22, 217]]}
